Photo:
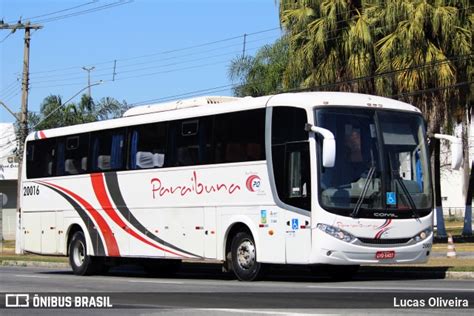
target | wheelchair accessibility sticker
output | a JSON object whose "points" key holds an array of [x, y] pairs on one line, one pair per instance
{"points": [[294, 223], [391, 198]]}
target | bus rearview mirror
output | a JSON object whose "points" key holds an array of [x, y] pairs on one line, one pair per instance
{"points": [[329, 144]]}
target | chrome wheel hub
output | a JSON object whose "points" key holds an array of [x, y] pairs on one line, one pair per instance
{"points": [[79, 254], [246, 254]]}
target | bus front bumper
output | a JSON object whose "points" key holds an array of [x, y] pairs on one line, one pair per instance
{"points": [[330, 250]]}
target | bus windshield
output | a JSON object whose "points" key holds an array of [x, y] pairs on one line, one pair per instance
{"points": [[381, 167]]}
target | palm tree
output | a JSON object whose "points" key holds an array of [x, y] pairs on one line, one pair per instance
{"points": [[418, 33], [53, 113], [260, 75], [330, 41]]}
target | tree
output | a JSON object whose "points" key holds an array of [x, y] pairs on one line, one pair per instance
{"points": [[260, 75], [53, 113], [330, 41], [418, 33]]}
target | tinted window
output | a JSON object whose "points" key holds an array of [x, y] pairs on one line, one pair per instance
{"points": [[191, 141], [240, 136], [148, 146], [107, 150], [72, 156], [40, 156], [290, 156]]}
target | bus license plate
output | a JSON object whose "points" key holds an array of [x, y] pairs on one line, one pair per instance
{"points": [[385, 255]]}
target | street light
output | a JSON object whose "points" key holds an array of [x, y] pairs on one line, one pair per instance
{"points": [[18, 249], [10, 111]]}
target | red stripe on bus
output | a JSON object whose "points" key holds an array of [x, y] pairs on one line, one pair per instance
{"points": [[110, 241], [98, 185]]}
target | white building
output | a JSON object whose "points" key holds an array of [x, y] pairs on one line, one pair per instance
{"points": [[8, 180], [452, 181]]}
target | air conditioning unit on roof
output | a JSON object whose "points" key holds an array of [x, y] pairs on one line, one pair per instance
{"points": [[180, 104]]}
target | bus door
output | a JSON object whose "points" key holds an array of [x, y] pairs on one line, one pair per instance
{"points": [[297, 196]]}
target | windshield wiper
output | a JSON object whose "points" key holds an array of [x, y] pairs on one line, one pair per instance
{"points": [[407, 194], [364, 192]]}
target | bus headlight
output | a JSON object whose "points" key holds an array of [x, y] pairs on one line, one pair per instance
{"points": [[336, 232], [423, 235]]}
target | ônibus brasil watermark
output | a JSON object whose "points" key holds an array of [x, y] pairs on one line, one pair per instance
{"points": [[57, 301]]}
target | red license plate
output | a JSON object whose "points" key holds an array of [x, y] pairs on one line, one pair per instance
{"points": [[385, 254]]}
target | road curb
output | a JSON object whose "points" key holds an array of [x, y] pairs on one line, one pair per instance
{"points": [[459, 275], [39, 264]]}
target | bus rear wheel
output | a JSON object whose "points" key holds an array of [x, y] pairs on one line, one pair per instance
{"points": [[81, 263], [244, 257]]}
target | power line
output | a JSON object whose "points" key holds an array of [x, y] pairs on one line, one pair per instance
{"points": [[101, 74], [121, 65], [457, 85], [141, 75], [11, 89], [181, 95], [12, 94], [5, 38], [98, 8], [430, 64], [382, 74], [157, 53], [56, 12], [9, 86]]}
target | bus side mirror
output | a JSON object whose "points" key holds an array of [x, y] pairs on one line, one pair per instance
{"points": [[456, 149], [329, 144]]}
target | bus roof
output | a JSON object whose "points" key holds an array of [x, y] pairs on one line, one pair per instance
{"points": [[209, 105]]}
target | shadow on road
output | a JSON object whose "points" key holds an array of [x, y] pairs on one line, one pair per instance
{"points": [[201, 271]]}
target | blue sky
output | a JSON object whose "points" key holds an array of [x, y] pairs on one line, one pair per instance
{"points": [[150, 40]]}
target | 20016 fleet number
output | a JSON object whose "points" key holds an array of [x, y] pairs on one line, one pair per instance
{"points": [[31, 190]]}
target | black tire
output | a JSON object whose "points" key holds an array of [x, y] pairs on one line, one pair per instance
{"points": [[244, 257], [342, 272], [80, 262], [161, 268]]}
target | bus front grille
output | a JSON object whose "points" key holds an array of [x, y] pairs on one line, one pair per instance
{"points": [[384, 241]]}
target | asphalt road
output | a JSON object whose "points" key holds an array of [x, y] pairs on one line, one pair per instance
{"points": [[203, 289]]}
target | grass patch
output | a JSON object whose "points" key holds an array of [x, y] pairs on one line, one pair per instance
{"points": [[460, 247], [454, 227]]}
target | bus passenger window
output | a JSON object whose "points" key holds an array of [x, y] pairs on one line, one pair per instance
{"points": [[192, 142], [72, 155], [107, 150], [148, 146], [239, 136], [40, 156]]}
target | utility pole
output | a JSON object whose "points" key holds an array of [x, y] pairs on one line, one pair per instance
{"points": [[23, 129], [245, 42], [89, 78]]}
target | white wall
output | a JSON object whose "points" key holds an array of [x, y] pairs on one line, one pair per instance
{"points": [[452, 180]]}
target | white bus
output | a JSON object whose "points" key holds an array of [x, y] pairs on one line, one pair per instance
{"points": [[339, 179]]}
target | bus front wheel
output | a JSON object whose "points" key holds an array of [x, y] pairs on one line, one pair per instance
{"points": [[81, 263], [244, 257]]}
